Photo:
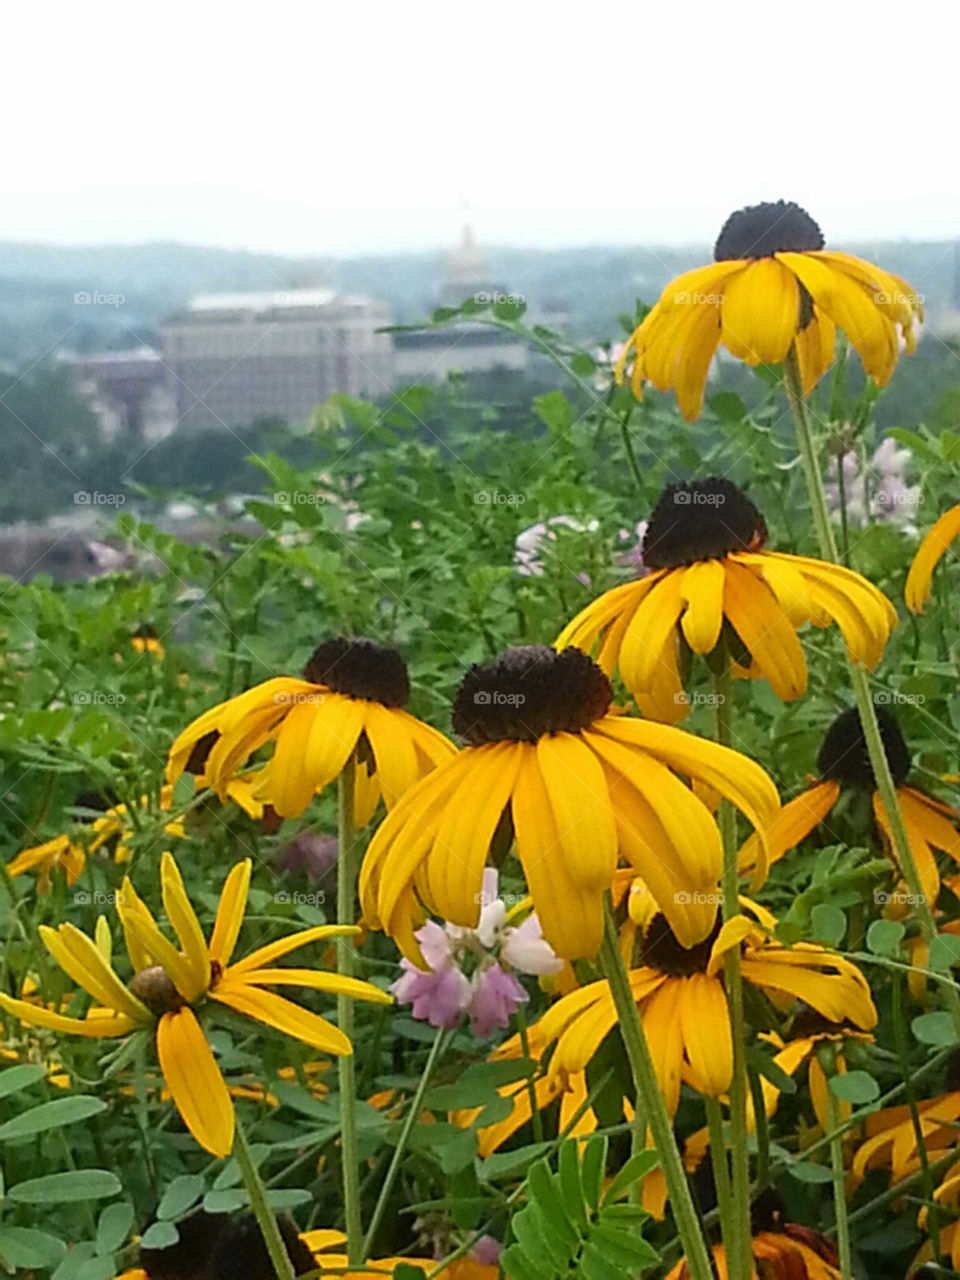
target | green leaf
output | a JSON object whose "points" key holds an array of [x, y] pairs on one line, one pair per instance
{"points": [[592, 1171], [944, 952], [161, 1235], [74, 1262], [570, 1185], [113, 1227], [884, 937], [804, 1171], [51, 1115], [934, 1029], [772, 1071], [637, 1167], [24, 1247], [544, 1188], [181, 1195], [828, 924], [517, 1266], [224, 1201], [16, 1078], [505, 1163], [72, 1187], [406, 1271], [857, 1087]]}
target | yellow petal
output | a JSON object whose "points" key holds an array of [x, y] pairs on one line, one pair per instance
{"points": [[705, 1025], [78, 956], [580, 802], [702, 589], [651, 629], [765, 629], [195, 1083], [265, 956], [814, 346], [284, 1016], [184, 920], [230, 911], [728, 939], [318, 980], [761, 312], [106, 1025], [792, 824], [931, 551], [140, 927]]}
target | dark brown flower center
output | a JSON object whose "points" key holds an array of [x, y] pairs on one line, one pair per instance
{"points": [[844, 757], [529, 691], [761, 230], [197, 760], [661, 950], [154, 988], [361, 669], [701, 520]]}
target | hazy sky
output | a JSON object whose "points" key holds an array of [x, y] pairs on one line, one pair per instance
{"points": [[356, 127]]}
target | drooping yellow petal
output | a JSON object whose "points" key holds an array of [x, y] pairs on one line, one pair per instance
{"points": [[765, 629], [185, 924], [195, 1082], [664, 1036], [78, 956], [283, 1016], [230, 911], [106, 1025], [607, 609], [829, 983], [317, 980], [728, 939], [792, 824], [932, 549], [650, 630], [702, 589], [577, 790], [707, 1040], [761, 312], [289, 779], [570, 917]]}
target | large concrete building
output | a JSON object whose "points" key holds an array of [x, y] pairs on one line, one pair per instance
{"points": [[236, 357]]}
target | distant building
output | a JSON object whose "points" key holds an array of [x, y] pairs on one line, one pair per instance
{"points": [[130, 392], [469, 346], [235, 357]]}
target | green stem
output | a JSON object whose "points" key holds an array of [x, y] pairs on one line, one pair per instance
{"points": [[630, 451], [718, 1159], [699, 1266], [828, 1062], [536, 1119], [858, 676], [346, 913], [257, 1192], [409, 1120], [737, 1225]]}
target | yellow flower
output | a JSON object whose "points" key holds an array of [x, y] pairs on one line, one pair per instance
{"points": [[712, 580], [773, 286], [578, 787], [844, 764], [350, 703], [947, 1196], [169, 981], [146, 640], [70, 852], [932, 549], [682, 1003], [790, 1253], [891, 1140]]}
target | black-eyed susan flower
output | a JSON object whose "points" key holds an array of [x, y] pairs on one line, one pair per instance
{"points": [[146, 640], [772, 287], [947, 1198], [682, 1002], [711, 578], [844, 766], [350, 703], [891, 1137], [935, 545], [169, 982], [578, 787], [781, 1250], [69, 852]]}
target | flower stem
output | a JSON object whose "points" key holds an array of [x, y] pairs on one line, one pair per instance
{"points": [[718, 1159], [346, 911], [829, 1062], [858, 676], [257, 1192], [698, 1262], [737, 1222], [409, 1120]]}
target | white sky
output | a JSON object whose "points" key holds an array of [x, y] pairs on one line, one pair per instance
{"points": [[342, 127]]}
